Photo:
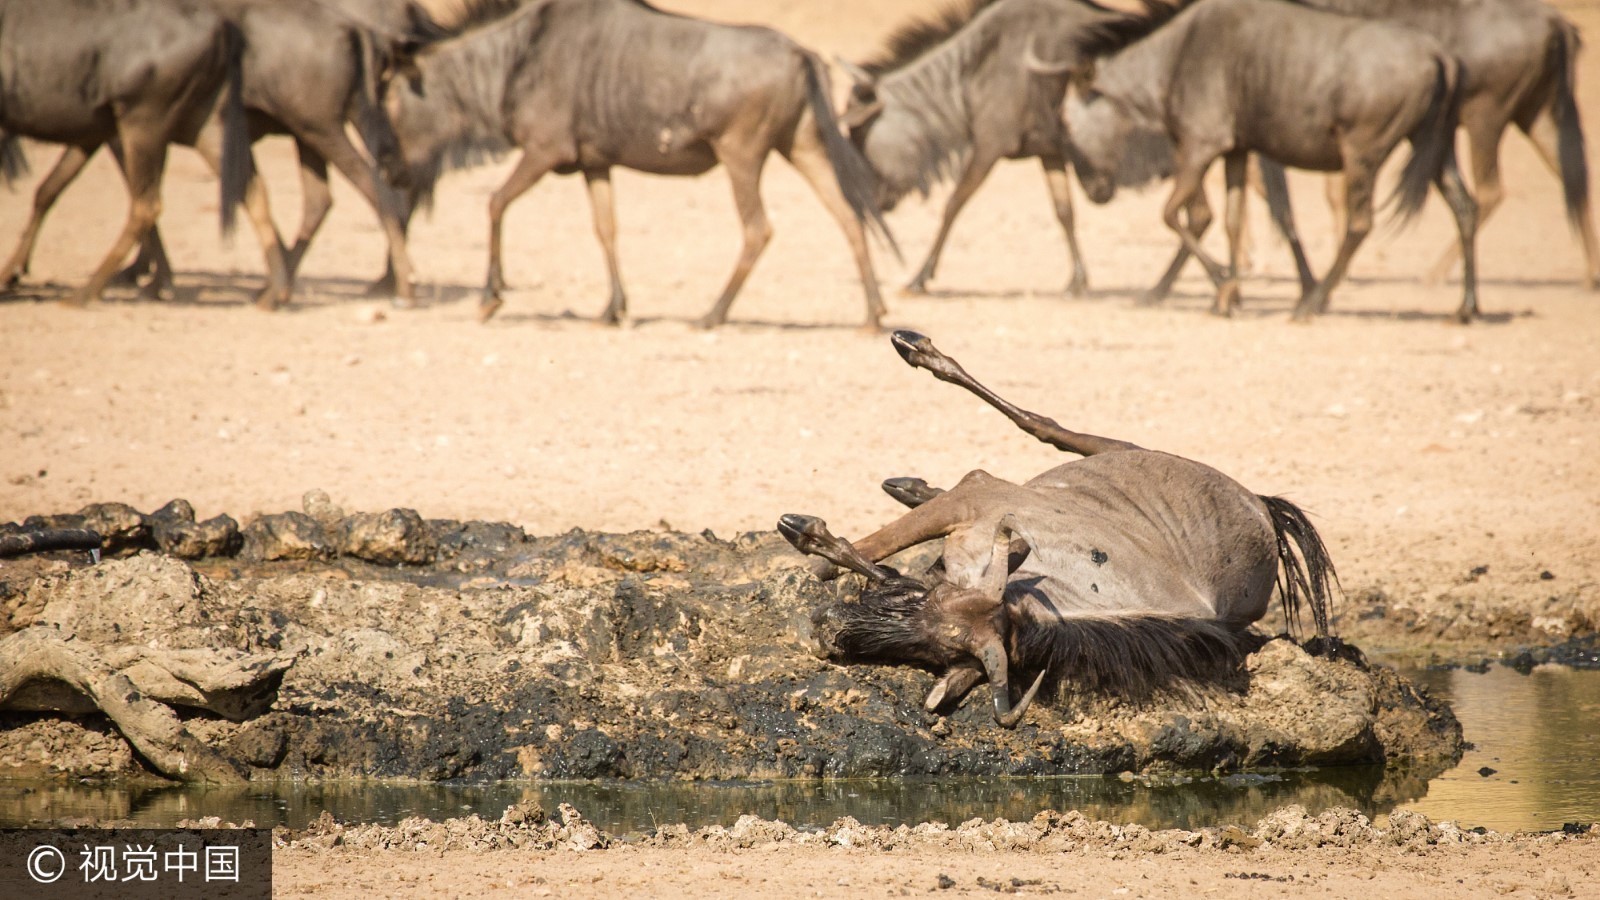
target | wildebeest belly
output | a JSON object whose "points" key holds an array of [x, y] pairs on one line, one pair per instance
{"points": [[1143, 531]]}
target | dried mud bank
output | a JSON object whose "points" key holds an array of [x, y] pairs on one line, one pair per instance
{"points": [[441, 650]]}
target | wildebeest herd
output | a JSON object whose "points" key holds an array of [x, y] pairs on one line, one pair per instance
{"points": [[1122, 92]]}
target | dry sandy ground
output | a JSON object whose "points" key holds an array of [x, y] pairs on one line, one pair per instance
{"points": [[1424, 449], [1525, 869]]}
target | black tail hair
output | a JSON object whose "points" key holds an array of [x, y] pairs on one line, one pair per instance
{"points": [[1307, 577], [857, 180], [1432, 143], [1570, 151], [238, 165], [13, 162], [1132, 655]]}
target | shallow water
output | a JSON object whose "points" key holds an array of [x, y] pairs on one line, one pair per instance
{"points": [[1540, 732]]}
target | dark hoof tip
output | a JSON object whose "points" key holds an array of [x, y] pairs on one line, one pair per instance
{"points": [[909, 344], [487, 308], [794, 525]]}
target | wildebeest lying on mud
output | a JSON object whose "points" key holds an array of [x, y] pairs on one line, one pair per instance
{"points": [[1310, 89], [1121, 572], [585, 85], [143, 74], [952, 96]]}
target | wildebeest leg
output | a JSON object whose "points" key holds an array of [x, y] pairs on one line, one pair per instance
{"points": [[1055, 175], [911, 492], [1198, 215], [1484, 141], [530, 168], [1358, 178], [66, 169], [279, 280], [1187, 192], [150, 260], [745, 173], [1275, 186], [315, 201], [605, 228], [978, 168], [144, 157], [1466, 213], [952, 686], [810, 536], [335, 147], [1234, 166], [1546, 139], [810, 159], [919, 351]]}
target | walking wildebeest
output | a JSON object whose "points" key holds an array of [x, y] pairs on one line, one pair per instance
{"points": [[144, 73], [1518, 66], [585, 85], [308, 68], [1122, 571], [1310, 89], [952, 96]]}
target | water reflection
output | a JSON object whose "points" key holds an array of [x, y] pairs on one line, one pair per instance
{"points": [[632, 807], [1540, 732]]}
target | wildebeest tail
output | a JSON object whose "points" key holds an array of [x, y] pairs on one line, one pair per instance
{"points": [[1130, 655], [13, 162], [238, 166], [856, 179], [1305, 571], [1570, 153], [377, 132], [1432, 143]]}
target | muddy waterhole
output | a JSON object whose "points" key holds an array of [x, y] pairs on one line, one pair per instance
{"points": [[1534, 766]]}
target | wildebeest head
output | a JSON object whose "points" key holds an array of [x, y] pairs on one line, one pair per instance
{"points": [[960, 626], [1097, 130]]}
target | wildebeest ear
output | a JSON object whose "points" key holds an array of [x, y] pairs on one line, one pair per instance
{"points": [[859, 114]]}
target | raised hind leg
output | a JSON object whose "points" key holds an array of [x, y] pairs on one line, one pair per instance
{"points": [[1546, 139], [530, 168], [1055, 175], [744, 166], [810, 158], [919, 352], [66, 169], [978, 167], [605, 228]]}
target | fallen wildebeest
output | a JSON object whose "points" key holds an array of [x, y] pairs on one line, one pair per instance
{"points": [[1518, 66], [308, 68], [952, 96], [1310, 89], [145, 74], [585, 85], [1119, 572]]}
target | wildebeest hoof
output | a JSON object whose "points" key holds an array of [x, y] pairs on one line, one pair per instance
{"points": [[1078, 287], [910, 492], [804, 533], [383, 287], [916, 288], [269, 299], [488, 306], [1151, 298], [76, 300], [704, 323], [916, 349]]}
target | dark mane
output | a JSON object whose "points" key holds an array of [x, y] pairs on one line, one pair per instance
{"points": [[885, 625], [918, 36], [1130, 656]]}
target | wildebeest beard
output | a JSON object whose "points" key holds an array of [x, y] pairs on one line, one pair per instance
{"points": [[884, 625]]}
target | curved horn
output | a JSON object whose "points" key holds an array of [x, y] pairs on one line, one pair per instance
{"points": [[993, 657], [856, 73], [1037, 66]]}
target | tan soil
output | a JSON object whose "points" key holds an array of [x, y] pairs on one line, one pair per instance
{"points": [[1427, 451]]}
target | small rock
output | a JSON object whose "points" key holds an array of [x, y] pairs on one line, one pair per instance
{"points": [[120, 526], [289, 535], [318, 505], [395, 537]]}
